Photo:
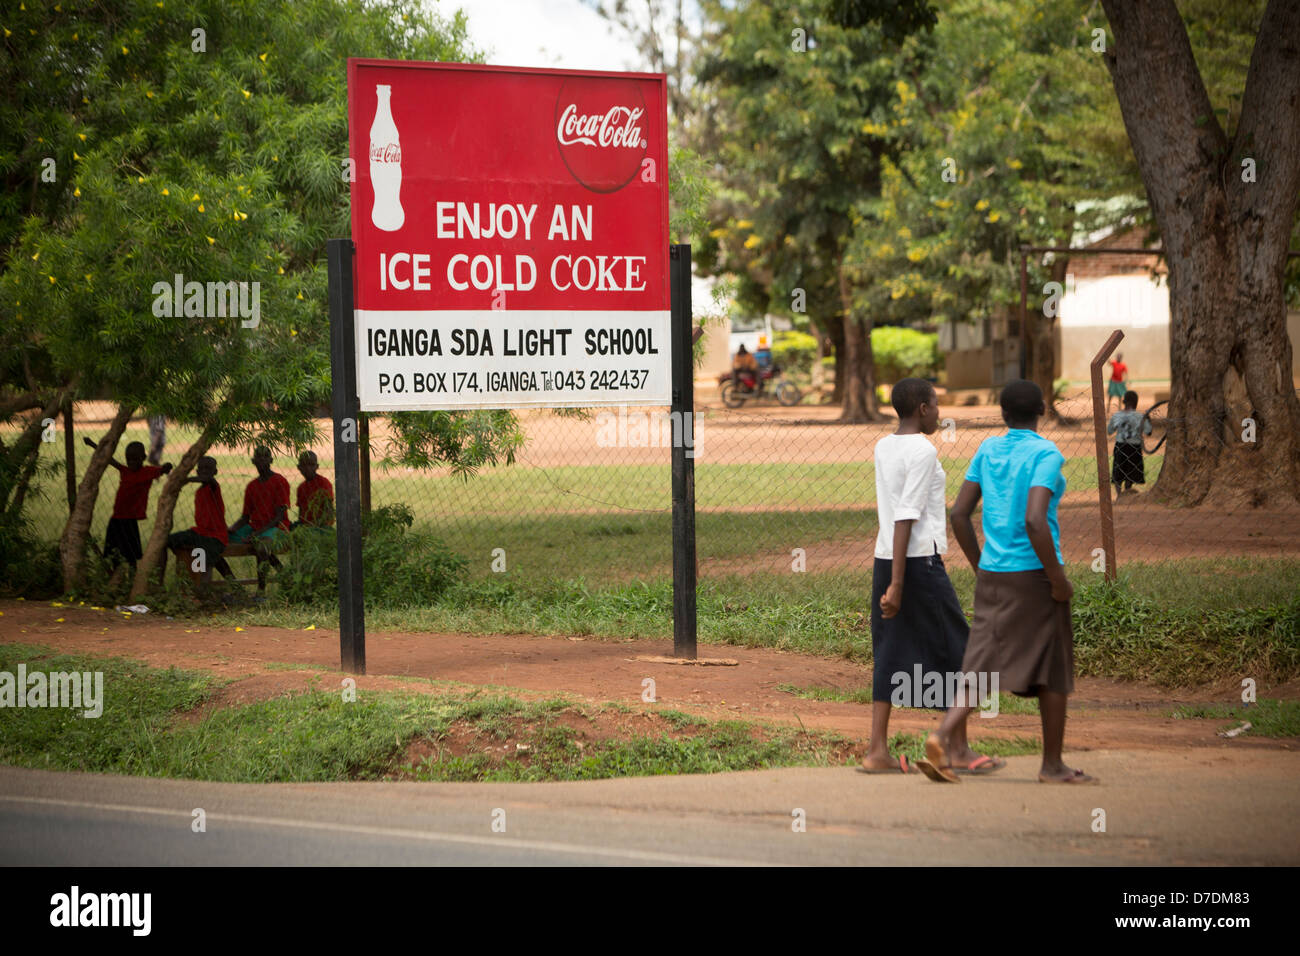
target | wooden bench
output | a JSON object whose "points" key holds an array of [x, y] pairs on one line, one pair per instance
{"points": [[242, 549]]}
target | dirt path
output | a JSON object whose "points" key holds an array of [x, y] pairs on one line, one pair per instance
{"points": [[1104, 714]]}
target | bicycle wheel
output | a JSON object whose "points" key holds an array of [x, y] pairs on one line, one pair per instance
{"points": [[787, 393], [1158, 418]]}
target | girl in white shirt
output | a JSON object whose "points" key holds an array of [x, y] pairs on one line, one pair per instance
{"points": [[918, 630]]}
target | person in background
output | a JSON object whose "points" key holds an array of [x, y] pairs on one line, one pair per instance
{"points": [[763, 354], [122, 540], [315, 495], [1118, 376], [743, 362], [209, 534], [1128, 426], [157, 437], [266, 509]]}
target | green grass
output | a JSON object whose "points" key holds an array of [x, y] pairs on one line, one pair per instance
{"points": [[138, 707], [1185, 624], [1268, 718], [913, 745], [317, 736], [534, 511], [554, 751], [1173, 626], [861, 696], [1007, 703]]}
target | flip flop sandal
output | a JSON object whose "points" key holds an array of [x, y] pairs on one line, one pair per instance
{"points": [[982, 765], [901, 768], [936, 773], [937, 766], [1077, 777]]}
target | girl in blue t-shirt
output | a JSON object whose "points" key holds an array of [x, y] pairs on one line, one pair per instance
{"points": [[1021, 637]]}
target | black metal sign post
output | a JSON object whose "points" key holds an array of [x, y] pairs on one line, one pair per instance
{"points": [[683, 415], [347, 479]]}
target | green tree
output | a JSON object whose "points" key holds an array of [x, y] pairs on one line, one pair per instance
{"points": [[800, 99], [997, 157], [207, 140], [1223, 187]]}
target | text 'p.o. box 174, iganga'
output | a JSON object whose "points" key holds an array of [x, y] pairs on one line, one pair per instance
{"points": [[511, 232]]}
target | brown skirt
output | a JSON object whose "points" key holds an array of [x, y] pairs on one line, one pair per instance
{"points": [[1021, 634]]}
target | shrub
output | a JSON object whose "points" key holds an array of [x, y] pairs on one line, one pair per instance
{"points": [[794, 351], [902, 353], [403, 567], [27, 566], [899, 353]]}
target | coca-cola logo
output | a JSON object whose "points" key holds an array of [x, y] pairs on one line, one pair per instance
{"points": [[600, 131], [392, 153], [616, 128]]}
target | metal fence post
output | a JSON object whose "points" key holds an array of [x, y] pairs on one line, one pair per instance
{"points": [[347, 431], [683, 411], [1103, 458]]}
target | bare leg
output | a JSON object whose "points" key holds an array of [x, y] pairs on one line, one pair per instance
{"points": [[877, 756], [953, 722], [1052, 706]]}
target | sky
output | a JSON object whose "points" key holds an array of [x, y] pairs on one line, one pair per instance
{"points": [[551, 33]]}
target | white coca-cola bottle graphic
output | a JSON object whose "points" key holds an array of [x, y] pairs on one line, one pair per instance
{"points": [[386, 165]]}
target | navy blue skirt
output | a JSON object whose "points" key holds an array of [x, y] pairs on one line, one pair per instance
{"points": [[929, 630]]}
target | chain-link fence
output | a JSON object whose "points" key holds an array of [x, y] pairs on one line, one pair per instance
{"points": [[779, 491]]}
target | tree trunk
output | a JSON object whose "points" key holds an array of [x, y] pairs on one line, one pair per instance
{"points": [[834, 330], [818, 369], [25, 449], [859, 398], [1226, 240], [165, 508], [1040, 363], [72, 544]]}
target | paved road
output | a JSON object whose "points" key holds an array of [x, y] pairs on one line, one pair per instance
{"points": [[1161, 808]]}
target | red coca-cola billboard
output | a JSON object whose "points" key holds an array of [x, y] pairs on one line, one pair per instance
{"points": [[511, 231]]}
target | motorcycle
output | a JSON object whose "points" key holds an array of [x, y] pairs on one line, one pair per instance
{"points": [[785, 391]]}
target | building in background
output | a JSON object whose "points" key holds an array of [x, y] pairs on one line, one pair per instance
{"points": [[1103, 291]]}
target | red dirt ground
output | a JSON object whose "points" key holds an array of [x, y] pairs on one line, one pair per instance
{"points": [[1105, 714]]}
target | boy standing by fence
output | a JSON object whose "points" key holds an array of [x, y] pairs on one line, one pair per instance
{"points": [[917, 625], [1128, 427], [122, 539], [1021, 630]]}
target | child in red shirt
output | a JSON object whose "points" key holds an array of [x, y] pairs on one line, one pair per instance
{"points": [[315, 494], [122, 540], [208, 535], [266, 503], [1118, 385]]}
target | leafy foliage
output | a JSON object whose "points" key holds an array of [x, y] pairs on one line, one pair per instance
{"points": [[402, 567]]}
